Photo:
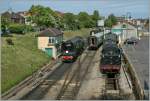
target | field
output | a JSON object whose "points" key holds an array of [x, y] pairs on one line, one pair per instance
{"points": [[19, 60]]}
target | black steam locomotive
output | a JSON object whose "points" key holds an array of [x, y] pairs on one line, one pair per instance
{"points": [[111, 55], [72, 48]]}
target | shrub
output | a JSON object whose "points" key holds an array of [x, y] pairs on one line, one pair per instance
{"points": [[17, 28], [29, 28], [9, 42]]}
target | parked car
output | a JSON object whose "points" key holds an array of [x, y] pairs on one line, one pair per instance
{"points": [[131, 40]]}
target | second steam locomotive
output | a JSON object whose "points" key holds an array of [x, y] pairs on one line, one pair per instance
{"points": [[111, 55]]}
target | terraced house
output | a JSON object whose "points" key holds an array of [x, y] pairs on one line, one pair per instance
{"points": [[49, 40]]}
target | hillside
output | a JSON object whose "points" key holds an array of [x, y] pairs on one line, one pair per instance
{"points": [[20, 60]]}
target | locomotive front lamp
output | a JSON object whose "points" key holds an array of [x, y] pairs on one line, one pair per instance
{"points": [[66, 51]]}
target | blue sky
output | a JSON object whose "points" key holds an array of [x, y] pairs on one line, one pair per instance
{"points": [[138, 8]]}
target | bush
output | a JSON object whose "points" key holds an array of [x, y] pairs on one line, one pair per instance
{"points": [[17, 28], [9, 42], [3, 28], [29, 28]]}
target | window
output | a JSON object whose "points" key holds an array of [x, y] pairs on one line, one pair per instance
{"points": [[51, 40], [67, 46]]}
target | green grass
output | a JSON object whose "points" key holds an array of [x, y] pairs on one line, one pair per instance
{"points": [[19, 60], [83, 32]]}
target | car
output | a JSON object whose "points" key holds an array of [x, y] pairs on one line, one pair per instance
{"points": [[131, 40]]}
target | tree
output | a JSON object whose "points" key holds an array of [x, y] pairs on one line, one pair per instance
{"points": [[5, 21], [43, 16], [95, 16], [108, 23], [85, 20], [147, 24], [113, 19], [70, 21]]}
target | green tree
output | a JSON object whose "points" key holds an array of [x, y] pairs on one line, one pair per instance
{"points": [[95, 17], [43, 16], [5, 21], [108, 23], [85, 20], [70, 21], [147, 24], [113, 19]]}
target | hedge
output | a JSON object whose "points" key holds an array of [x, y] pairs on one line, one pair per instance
{"points": [[20, 28]]}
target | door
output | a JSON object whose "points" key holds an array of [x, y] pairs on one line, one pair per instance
{"points": [[49, 51]]}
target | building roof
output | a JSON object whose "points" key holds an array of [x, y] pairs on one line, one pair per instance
{"points": [[50, 32], [16, 16], [61, 14], [6, 14]]}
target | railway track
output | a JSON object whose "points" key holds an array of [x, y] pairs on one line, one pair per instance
{"points": [[48, 83], [61, 78], [112, 85], [112, 88], [73, 80]]}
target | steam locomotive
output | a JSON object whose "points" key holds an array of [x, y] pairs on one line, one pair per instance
{"points": [[71, 49], [111, 55]]}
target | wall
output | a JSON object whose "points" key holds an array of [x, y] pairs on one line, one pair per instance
{"points": [[43, 43], [128, 32]]}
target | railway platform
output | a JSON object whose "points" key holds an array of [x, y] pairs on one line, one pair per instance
{"points": [[138, 57]]}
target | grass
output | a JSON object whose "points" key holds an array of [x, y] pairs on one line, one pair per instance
{"points": [[83, 32], [19, 60]]}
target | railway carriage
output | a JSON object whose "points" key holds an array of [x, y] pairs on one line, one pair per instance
{"points": [[95, 39], [72, 48]]}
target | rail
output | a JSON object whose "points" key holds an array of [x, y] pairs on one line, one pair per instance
{"points": [[69, 89], [112, 88]]}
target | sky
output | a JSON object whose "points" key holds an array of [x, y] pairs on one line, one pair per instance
{"points": [[137, 8]]}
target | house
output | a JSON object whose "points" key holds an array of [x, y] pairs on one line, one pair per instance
{"points": [[17, 18], [6, 16], [13, 17], [125, 31], [49, 40], [26, 14], [60, 14], [120, 19]]}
